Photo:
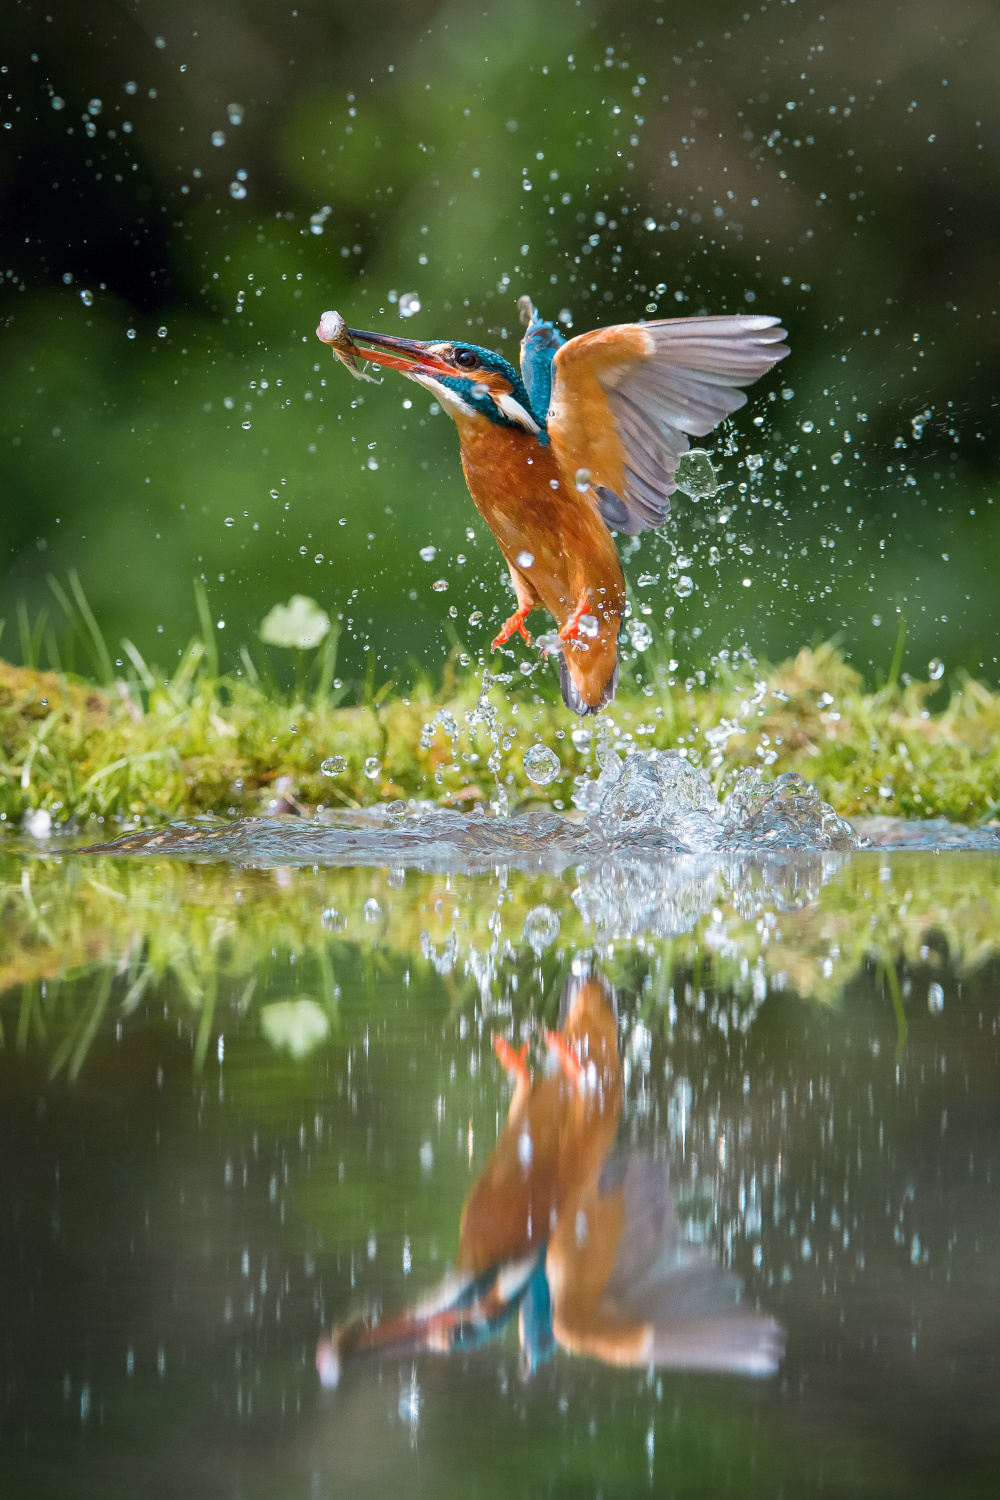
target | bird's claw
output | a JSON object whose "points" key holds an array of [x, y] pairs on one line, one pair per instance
{"points": [[571, 630], [513, 1060], [572, 1066], [513, 626]]}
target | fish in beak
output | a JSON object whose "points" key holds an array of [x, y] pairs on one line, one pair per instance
{"points": [[409, 356]]}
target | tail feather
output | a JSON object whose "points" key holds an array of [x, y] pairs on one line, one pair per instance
{"points": [[578, 695]]}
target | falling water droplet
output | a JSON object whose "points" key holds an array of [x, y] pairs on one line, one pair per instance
{"points": [[409, 303], [333, 765], [130, 333], [588, 625], [428, 553], [541, 765], [640, 634], [372, 767], [218, 137], [935, 669], [237, 190], [230, 521], [87, 298], [372, 910], [245, 426], [583, 478], [161, 332], [541, 928], [684, 586], [806, 426], [525, 559], [235, 113], [440, 586], [697, 476]]}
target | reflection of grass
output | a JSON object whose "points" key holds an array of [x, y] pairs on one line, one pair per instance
{"points": [[145, 748], [82, 940]]}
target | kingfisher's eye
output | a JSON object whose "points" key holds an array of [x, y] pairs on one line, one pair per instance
{"points": [[466, 359]]}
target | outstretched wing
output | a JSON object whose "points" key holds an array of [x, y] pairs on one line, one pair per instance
{"points": [[625, 400]]}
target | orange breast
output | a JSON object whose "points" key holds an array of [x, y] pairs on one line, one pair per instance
{"points": [[522, 497]]}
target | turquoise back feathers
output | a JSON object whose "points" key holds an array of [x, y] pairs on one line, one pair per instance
{"points": [[538, 350]]}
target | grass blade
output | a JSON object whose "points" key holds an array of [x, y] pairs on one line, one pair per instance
{"points": [[97, 643], [207, 628]]}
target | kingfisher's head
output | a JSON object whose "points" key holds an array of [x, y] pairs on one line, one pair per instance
{"points": [[468, 381]]}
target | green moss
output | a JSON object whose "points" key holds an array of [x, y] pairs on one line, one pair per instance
{"points": [[151, 750]]}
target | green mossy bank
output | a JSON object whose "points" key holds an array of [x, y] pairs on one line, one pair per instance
{"points": [[147, 751]]}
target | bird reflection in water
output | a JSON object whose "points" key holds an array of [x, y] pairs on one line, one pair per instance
{"points": [[576, 1237]]}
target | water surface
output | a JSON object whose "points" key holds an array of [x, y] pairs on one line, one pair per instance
{"points": [[245, 1105]]}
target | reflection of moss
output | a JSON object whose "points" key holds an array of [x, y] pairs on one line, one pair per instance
{"points": [[202, 743], [242, 940]]}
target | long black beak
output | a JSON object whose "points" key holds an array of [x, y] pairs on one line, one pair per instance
{"points": [[398, 354]]}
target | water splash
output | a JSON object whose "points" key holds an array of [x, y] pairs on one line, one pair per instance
{"points": [[484, 713]]}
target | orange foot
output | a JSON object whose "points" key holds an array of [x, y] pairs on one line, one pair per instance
{"points": [[515, 1062], [571, 630], [572, 1065], [514, 626]]}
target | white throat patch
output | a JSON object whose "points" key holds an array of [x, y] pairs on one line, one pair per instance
{"points": [[450, 400]]}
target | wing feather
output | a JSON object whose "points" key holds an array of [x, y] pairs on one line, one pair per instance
{"points": [[626, 399]]}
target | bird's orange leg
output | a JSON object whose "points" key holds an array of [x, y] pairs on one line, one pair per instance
{"points": [[572, 1065], [571, 630], [514, 1061], [514, 626]]}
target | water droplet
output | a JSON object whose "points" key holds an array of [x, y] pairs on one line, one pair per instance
{"points": [[935, 669], [684, 586], [58, 102], [441, 586], [230, 521], [372, 910], [273, 494], [935, 998], [588, 625], [428, 553], [476, 617], [87, 298], [876, 619], [161, 332], [541, 765], [372, 767], [318, 558], [640, 634], [333, 765], [806, 426], [245, 426], [697, 476], [218, 137], [130, 333], [525, 559], [237, 190], [582, 738], [583, 479], [541, 928], [409, 303], [94, 107], [235, 113]]}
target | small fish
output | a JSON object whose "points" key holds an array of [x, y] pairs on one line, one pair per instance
{"points": [[333, 331]]}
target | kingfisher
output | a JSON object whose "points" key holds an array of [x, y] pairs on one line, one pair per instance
{"points": [[577, 1238], [583, 443]]}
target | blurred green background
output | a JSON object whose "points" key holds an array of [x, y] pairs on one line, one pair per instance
{"points": [[184, 188]]}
